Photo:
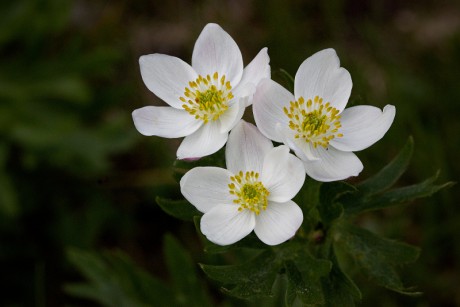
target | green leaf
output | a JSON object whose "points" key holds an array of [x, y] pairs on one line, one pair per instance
{"points": [[339, 289], [303, 275], [180, 209], [394, 197], [252, 279], [114, 280], [256, 278], [330, 208], [388, 175], [188, 290], [376, 256], [308, 200]]}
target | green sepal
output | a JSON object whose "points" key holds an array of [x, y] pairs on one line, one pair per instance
{"points": [[180, 209], [377, 257]]}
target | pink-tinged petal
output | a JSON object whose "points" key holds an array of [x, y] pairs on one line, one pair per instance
{"points": [[167, 77], [258, 69], [282, 175], [165, 122], [203, 142], [225, 225], [231, 117], [206, 187], [333, 165], [246, 148], [321, 75], [362, 126], [278, 223], [216, 51], [268, 103]]}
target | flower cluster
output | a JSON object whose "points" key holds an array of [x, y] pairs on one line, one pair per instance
{"points": [[206, 104]]}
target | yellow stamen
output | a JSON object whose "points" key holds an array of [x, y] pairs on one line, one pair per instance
{"points": [[207, 97], [249, 191], [313, 121]]}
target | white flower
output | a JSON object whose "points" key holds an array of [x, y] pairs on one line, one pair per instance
{"points": [[253, 193], [207, 99], [313, 122]]}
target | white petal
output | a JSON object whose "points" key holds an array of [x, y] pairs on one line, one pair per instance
{"points": [[268, 103], [203, 142], [278, 223], [282, 175], [225, 225], [302, 149], [362, 126], [333, 165], [216, 51], [206, 187], [257, 70], [165, 122], [231, 117], [321, 75], [246, 148], [244, 93], [166, 76]]}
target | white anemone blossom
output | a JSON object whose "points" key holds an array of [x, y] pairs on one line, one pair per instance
{"points": [[314, 122], [207, 99], [253, 193]]}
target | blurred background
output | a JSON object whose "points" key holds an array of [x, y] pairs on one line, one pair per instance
{"points": [[74, 172]]}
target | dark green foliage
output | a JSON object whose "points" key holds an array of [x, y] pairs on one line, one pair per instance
{"points": [[75, 172], [339, 289], [312, 271], [329, 206], [251, 279], [114, 279], [388, 175], [395, 197], [62, 124], [256, 277], [188, 288], [376, 256], [180, 209], [374, 193]]}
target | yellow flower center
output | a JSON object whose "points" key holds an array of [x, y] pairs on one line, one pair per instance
{"points": [[207, 98], [249, 191], [313, 121]]}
